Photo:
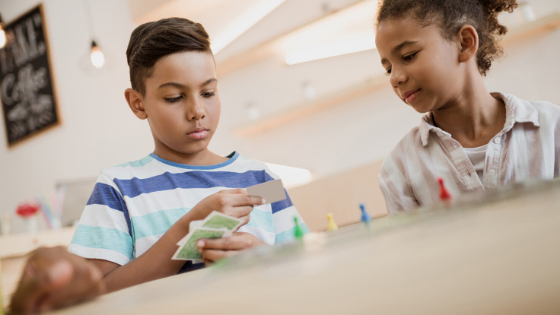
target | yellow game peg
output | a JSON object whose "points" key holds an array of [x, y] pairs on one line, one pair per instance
{"points": [[331, 226]]}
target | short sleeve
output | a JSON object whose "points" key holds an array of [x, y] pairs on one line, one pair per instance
{"points": [[283, 214], [104, 230]]}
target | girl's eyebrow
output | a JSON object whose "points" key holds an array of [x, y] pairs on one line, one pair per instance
{"points": [[398, 48], [402, 45]]}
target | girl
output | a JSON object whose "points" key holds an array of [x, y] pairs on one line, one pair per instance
{"points": [[436, 53]]}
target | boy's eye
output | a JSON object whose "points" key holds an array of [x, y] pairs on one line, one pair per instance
{"points": [[409, 57], [208, 94], [388, 71], [173, 99]]}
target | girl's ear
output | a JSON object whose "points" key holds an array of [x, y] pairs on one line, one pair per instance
{"points": [[136, 103], [468, 43]]}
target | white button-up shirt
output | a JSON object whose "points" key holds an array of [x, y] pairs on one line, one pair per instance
{"points": [[528, 147]]}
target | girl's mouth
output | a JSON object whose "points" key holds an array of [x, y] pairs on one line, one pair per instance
{"points": [[409, 97]]}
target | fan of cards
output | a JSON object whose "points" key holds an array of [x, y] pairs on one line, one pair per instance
{"points": [[217, 224]]}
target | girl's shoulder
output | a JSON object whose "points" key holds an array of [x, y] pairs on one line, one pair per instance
{"points": [[546, 108], [409, 144], [547, 112], [540, 106]]}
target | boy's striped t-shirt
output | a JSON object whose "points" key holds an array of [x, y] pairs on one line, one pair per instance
{"points": [[134, 204]]}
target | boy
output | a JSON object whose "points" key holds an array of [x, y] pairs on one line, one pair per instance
{"points": [[138, 211]]}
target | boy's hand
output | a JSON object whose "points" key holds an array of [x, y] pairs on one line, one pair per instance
{"points": [[54, 278], [213, 250], [233, 202]]}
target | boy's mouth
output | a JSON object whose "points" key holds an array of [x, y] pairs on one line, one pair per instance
{"points": [[198, 133]]}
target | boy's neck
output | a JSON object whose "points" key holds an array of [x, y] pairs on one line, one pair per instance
{"points": [[201, 158], [474, 117]]}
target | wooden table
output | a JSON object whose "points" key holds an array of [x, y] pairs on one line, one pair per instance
{"points": [[14, 249], [498, 256]]}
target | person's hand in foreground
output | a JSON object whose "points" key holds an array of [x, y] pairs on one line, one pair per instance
{"points": [[54, 278], [213, 250]]}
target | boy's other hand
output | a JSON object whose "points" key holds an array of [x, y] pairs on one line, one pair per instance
{"points": [[54, 278], [233, 202], [213, 250]]}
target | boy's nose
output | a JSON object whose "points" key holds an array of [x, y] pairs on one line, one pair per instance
{"points": [[195, 110]]}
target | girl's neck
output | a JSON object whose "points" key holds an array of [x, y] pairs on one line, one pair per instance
{"points": [[474, 117]]}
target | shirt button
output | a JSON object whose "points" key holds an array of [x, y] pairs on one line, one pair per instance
{"points": [[492, 172], [497, 140], [454, 145]]}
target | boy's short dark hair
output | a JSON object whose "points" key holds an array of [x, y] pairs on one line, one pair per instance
{"points": [[152, 41]]}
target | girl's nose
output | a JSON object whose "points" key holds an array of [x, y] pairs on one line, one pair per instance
{"points": [[397, 77]]}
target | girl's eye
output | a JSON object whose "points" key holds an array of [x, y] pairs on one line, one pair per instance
{"points": [[388, 72], [409, 57], [208, 94], [173, 99]]}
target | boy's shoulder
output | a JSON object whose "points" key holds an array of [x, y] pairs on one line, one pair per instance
{"points": [[257, 164], [150, 166], [248, 164], [130, 169]]}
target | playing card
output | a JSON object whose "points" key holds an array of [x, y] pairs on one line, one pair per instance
{"points": [[192, 226], [271, 191], [189, 251], [217, 220]]}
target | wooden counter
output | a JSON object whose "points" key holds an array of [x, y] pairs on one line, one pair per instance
{"points": [[498, 256], [15, 247]]}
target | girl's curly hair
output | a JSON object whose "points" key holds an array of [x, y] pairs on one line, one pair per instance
{"points": [[451, 15]]}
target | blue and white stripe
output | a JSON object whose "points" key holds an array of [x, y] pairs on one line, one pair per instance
{"points": [[134, 204]]}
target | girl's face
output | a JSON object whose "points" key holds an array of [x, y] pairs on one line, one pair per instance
{"points": [[423, 66]]}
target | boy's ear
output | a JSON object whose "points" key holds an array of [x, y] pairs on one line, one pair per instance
{"points": [[136, 103], [468, 43]]}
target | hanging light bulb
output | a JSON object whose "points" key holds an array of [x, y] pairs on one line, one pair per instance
{"points": [[2, 34], [97, 58]]}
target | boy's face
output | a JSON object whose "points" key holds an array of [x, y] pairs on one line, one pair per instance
{"points": [[423, 66], [182, 103]]}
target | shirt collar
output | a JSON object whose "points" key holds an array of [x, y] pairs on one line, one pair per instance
{"points": [[517, 111], [426, 125]]}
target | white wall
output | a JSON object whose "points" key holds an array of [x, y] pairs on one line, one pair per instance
{"points": [[98, 130]]}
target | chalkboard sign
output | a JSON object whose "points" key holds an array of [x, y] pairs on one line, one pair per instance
{"points": [[27, 88]]}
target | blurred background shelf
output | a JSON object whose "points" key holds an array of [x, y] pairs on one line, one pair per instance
{"points": [[313, 107]]}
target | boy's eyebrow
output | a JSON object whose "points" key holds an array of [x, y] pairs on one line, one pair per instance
{"points": [[208, 82], [181, 86], [173, 84]]}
